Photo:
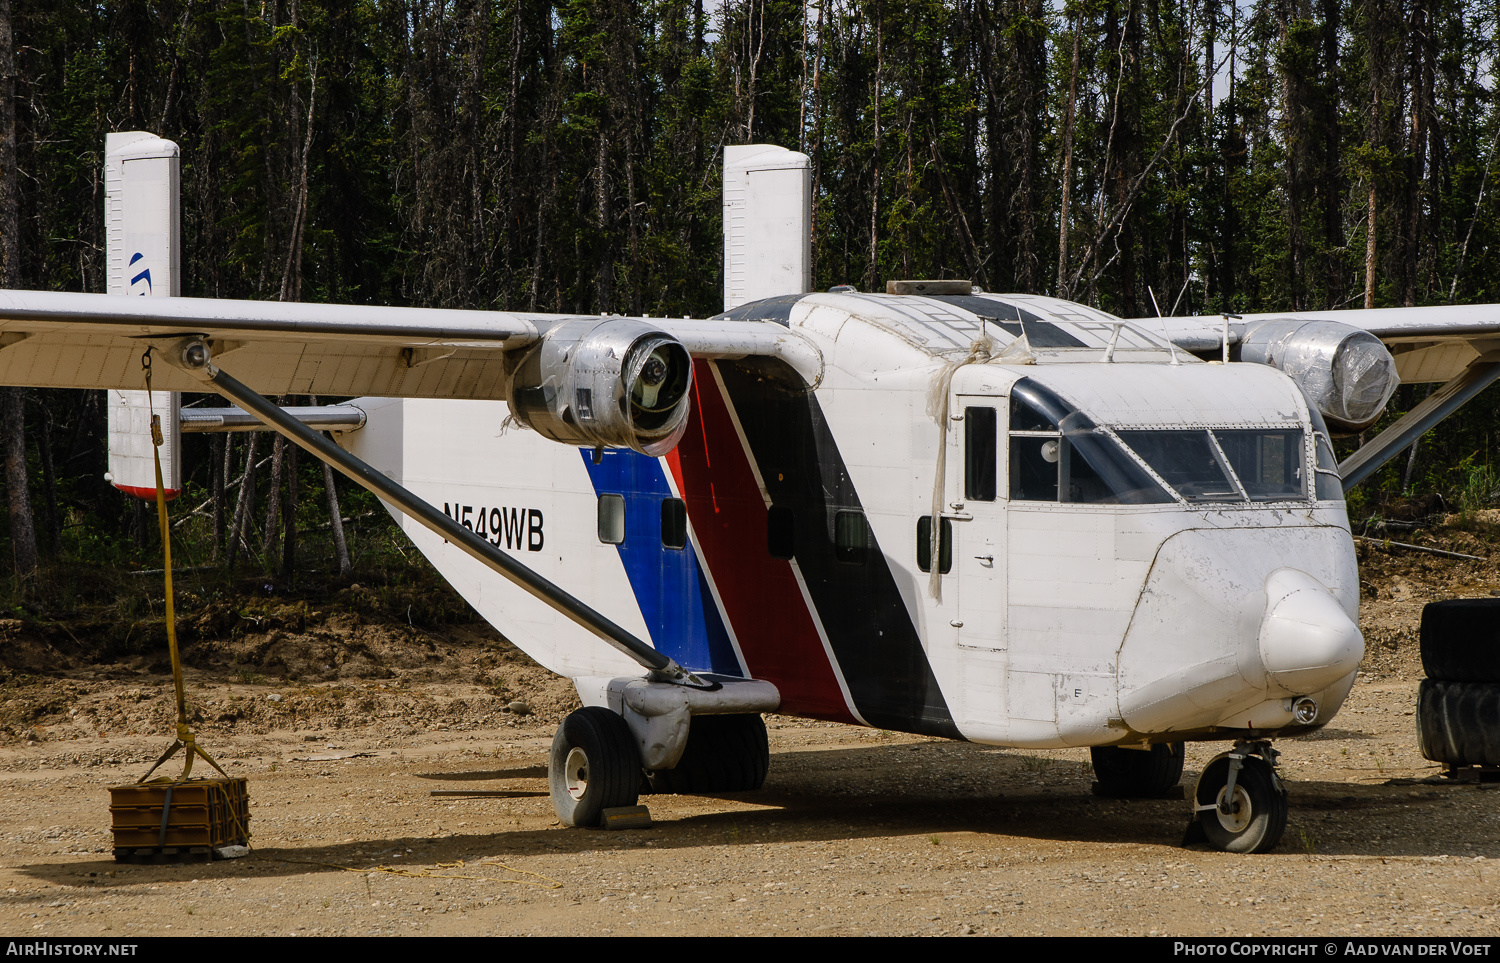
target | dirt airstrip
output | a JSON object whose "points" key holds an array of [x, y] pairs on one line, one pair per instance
{"points": [[360, 738]]}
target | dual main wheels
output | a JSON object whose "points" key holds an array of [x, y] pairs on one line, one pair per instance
{"points": [[595, 764], [723, 754]]}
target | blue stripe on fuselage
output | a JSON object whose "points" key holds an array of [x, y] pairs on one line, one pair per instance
{"points": [[669, 586]]}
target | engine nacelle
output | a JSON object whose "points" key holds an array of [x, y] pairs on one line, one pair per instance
{"points": [[1344, 370], [610, 382]]}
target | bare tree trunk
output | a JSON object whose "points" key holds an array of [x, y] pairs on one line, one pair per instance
{"points": [[53, 519], [12, 401], [22, 534], [340, 544], [1370, 244], [1063, 288], [220, 451], [244, 505], [335, 516], [273, 497], [289, 540]]}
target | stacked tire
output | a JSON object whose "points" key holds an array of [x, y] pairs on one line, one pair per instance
{"points": [[1458, 704]]}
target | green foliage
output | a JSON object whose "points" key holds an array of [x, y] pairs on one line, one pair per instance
{"points": [[565, 156]]}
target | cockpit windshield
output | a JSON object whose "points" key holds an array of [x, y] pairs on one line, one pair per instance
{"points": [[1057, 453], [1226, 464]]}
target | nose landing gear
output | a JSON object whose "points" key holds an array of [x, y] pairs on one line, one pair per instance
{"points": [[1240, 803]]}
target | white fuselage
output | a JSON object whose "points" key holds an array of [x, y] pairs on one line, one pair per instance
{"points": [[1118, 598]]}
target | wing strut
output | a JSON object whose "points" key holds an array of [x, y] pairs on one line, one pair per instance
{"points": [[1417, 422], [192, 355]]}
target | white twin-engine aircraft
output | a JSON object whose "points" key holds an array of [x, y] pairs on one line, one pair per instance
{"points": [[1008, 519]]}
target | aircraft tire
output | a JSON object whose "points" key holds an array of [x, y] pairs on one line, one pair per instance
{"points": [[1458, 723], [1461, 640], [594, 766], [1257, 825], [1137, 774], [723, 754]]}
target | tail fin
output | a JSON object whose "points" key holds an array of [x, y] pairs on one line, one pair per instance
{"points": [[143, 244], [767, 223]]}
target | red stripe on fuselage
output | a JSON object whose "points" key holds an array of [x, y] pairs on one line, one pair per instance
{"points": [[762, 600]]}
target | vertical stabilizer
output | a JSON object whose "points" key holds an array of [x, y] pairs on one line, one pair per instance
{"points": [[767, 223], [143, 243]]}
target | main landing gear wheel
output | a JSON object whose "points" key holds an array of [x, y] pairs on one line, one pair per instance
{"points": [[723, 754], [594, 766], [1138, 773], [1251, 816]]}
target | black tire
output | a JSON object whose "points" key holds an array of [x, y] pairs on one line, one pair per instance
{"points": [[723, 754], [1259, 817], [1458, 723], [1137, 773], [594, 766], [1461, 640]]}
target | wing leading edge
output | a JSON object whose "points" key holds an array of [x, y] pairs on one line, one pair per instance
{"points": [[66, 340]]}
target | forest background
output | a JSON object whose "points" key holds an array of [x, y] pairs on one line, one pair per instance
{"points": [[1200, 156]]}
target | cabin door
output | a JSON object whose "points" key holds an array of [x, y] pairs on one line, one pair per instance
{"points": [[979, 552]]}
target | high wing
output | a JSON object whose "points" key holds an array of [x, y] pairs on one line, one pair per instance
{"points": [[1429, 344], [66, 340], [1456, 346]]}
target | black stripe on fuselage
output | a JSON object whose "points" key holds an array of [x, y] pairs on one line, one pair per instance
{"points": [[878, 650]]}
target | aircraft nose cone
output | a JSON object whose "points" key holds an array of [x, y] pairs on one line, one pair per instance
{"points": [[1307, 640]]}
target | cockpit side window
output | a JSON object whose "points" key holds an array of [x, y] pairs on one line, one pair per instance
{"points": [[1057, 453]]}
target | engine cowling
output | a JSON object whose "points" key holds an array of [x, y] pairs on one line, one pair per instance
{"points": [[1346, 371], [610, 382]]}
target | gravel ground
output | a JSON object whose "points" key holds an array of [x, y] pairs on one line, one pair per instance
{"points": [[857, 832]]}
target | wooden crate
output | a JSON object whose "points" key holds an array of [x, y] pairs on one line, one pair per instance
{"points": [[178, 821]]}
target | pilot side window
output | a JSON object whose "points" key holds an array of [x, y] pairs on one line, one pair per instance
{"points": [[673, 523], [612, 519]]}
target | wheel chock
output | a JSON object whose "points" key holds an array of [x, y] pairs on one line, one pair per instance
{"points": [[625, 817]]}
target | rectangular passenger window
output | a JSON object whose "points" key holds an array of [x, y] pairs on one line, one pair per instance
{"points": [[612, 519], [850, 537], [673, 523], [980, 456], [924, 545]]}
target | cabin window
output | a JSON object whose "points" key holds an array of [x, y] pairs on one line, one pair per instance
{"points": [[673, 523], [612, 519], [980, 455], [781, 536], [924, 545], [851, 537]]}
